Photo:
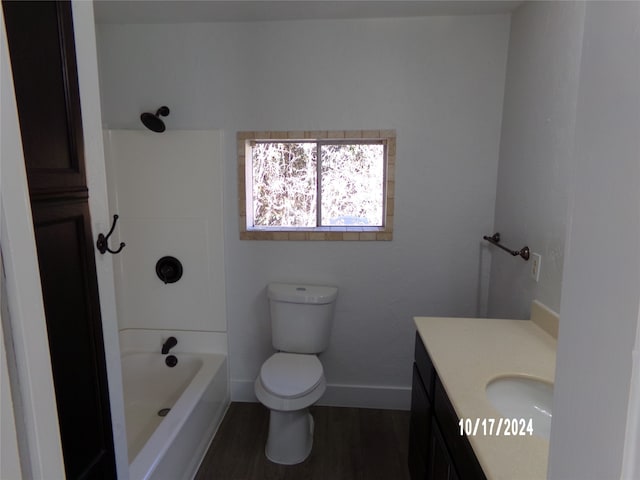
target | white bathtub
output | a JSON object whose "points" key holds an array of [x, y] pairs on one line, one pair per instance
{"points": [[171, 447]]}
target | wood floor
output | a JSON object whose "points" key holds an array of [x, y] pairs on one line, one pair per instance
{"points": [[349, 444]]}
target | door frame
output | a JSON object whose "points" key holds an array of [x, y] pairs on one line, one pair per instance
{"points": [[94, 157]]}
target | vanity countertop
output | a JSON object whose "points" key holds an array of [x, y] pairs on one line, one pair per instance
{"points": [[469, 352]]}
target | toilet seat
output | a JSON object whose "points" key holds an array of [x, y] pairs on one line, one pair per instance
{"points": [[291, 375]]}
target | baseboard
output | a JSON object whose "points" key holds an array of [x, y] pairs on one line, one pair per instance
{"points": [[359, 396]]}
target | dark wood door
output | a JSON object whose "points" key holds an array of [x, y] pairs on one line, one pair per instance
{"points": [[41, 46]]}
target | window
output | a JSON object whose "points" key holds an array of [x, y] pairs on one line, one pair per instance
{"points": [[328, 185]]}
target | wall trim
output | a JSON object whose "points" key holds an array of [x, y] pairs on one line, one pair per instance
{"points": [[88, 82], [340, 395]]}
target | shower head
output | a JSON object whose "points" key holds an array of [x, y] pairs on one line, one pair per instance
{"points": [[153, 121]]}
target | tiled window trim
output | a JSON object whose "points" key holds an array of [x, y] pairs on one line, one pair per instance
{"points": [[340, 233]]}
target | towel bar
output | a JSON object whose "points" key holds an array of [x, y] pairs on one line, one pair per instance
{"points": [[495, 240]]}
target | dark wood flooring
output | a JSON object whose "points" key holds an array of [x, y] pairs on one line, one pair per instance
{"points": [[349, 444]]}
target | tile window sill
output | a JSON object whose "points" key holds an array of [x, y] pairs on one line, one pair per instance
{"points": [[320, 233]]}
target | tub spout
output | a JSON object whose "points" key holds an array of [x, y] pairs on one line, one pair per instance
{"points": [[169, 344]]}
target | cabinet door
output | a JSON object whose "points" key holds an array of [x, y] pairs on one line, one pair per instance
{"points": [[467, 464], [419, 428], [43, 63], [70, 295], [441, 465]]}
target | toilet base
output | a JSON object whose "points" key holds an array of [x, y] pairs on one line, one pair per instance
{"points": [[290, 436]]}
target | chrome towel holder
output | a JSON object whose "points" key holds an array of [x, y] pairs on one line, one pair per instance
{"points": [[495, 240]]}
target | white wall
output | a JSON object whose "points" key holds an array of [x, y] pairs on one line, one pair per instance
{"points": [[167, 190], [535, 148], [601, 284], [438, 81]]}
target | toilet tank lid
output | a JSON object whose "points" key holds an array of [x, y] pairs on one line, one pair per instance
{"points": [[297, 293]]}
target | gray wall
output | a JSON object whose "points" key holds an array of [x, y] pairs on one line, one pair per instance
{"points": [[601, 285], [438, 81], [537, 137], [568, 184]]}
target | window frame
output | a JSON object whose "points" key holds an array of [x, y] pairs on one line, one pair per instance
{"points": [[245, 141]]}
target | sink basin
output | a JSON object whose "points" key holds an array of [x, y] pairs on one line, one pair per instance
{"points": [[523, 397]]}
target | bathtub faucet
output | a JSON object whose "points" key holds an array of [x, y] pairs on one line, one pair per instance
{"points": [[169, 344]]}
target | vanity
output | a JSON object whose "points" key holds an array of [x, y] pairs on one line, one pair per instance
{"points": [[480, 394]]}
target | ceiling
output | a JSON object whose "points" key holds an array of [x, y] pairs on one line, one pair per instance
{"points": [[192, 11]]}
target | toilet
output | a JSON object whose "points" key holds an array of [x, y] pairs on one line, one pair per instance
{"points": [[292, 379]]}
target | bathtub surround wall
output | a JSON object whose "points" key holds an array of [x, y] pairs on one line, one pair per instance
{"points": [[535, 149], [167, 189], [438, 81]]}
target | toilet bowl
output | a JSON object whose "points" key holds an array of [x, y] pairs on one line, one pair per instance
{"points": [[288, 385], [292, 379]]}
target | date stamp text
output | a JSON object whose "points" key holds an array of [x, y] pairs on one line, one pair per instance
{"points": [[495, 427]]}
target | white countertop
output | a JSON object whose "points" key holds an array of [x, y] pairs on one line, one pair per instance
{"points": [[469, 352]]}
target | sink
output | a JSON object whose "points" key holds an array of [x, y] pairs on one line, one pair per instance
{"points": [[523, 397]]}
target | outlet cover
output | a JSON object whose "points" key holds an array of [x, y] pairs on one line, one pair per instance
{"points": [[536, 264]]}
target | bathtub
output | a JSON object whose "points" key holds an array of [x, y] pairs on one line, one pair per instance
{"points": [[170, 444]]}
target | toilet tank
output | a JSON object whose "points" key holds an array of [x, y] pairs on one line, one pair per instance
{"points": [[301, 316]]}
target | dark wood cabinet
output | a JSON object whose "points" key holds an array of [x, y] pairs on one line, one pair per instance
{"points": [[441, 465], [419, 427], [43, 63], [437, 451], [42, 51], [70, 295]]}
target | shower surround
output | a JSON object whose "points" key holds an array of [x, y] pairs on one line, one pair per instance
{"points": [[167, 190]]}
